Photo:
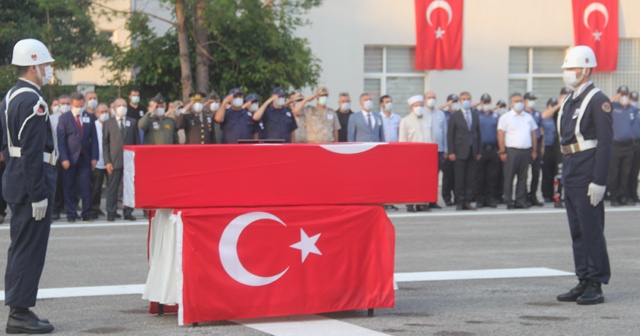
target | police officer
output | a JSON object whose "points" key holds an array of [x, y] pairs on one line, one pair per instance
{"points": [[28, 183], [529, 106], [252, 105], [487, 176], [635, 169], [278, 119], [158, 128], [549, 164], [622, 157], [237, 122], [586, 135], [198, 126]]}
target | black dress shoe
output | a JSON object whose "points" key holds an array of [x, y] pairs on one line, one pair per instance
{"points": [[559, 205], [510, 206], [615, 203], [55, 216], [130, 217], [422, 208], [548, 199], [111, 218], [593, 294], [411, 208], [99, 212], [448, 203], [534, 201], [459, 207], [24, 321], [71, 219], [87, 218], [118, 215], [575, 292], [434, 206], [491, 204], [467, 206]]}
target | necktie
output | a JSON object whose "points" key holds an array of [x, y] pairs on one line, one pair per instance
{"points": [[122, 129], [468, 117], [369, 120], [79, 124]]}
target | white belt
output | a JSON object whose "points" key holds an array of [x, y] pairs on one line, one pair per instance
{"points": [[49, 158]]}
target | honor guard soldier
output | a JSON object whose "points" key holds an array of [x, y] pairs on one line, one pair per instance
{"points": [[158, 128], [586, 134], [28, 183], [237, 123], [198, 126], [623, 116]]}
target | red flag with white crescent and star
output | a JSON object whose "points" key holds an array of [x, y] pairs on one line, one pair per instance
{"points": [[595, 24], [438, 34], [275, 261]]}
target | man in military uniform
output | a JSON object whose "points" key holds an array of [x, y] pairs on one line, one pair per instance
{"points": [[158, 129], [322, 122], [28, 183], [586, 135], [198, 126]]}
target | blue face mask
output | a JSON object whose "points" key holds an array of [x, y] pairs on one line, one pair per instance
{"points": [[634, 104], [466, 104]]}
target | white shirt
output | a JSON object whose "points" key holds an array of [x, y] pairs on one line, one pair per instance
{"points": [[578, 91], [53, 119], [517, 128], [366, 115], [100, 164]]}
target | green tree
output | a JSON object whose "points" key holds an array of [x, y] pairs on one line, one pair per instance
{"points": [[65, 26]]}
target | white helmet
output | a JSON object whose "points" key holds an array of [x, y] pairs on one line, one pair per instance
{"points": [[580, 57], [30, 52]]}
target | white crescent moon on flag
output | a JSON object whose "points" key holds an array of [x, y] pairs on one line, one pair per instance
{"points": [[228, 249], [439, 4], [595, 7], [352, 148]]}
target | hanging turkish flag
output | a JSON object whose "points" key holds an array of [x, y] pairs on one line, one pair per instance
{"points": [[438, 34], [595, 24], [260, 262]]}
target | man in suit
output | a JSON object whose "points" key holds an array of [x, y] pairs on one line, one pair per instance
{"points": [[78, 146], [117, 133], [366, 125], [463, 137]]}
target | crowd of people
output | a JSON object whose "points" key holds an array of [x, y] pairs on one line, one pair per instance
{"points": [[482, 147]]}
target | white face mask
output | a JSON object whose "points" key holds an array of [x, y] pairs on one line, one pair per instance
{"points": [[254, 107], [48, 75], [92, 104], [179, 111], [104, 117], [518, 107], [322, 100], [55, 109], [237, 102], [531, 103], [135, 99], [486, 107], [388, 107], [502, 111], [571, 78], [197, 107], [64, 108], [624, 100], [280, 102], [368, 105], [159, 112], [345, 106], [431, 103], [214, 107], [634, 104], [121, 111], [76, 111], [455, 106], [418, 111]]}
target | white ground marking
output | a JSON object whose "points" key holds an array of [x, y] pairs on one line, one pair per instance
{"points": [[67, 292], [308, 325]]}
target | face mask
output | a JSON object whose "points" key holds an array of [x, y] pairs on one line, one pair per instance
{"points": [[502, 111], [237, 102], [322, 100], [571, 78], [634, 104], [518, 107], [135, 99], [159, 112], [112, 113], [455, 106], [368, 105], [531, 104], [92, 104], [418, 111], [466, 104], [179, 111], [388, 107], [345, 106], [214, 107], [64, 108], [624, 100], [253, 107], [197, 107], [55, 109], [104, 117], [76, 111], [280, 102], [446, 108], [48, 75], [486, 107], [121, 111], [431, 103]]}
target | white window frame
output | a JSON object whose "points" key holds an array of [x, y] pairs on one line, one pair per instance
{"points": [[382, 76], [530, 75]]}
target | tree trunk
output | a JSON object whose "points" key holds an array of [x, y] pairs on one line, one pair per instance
{"points": [[202, 48], [183, 42]]}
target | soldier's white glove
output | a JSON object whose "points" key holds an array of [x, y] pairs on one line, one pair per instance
{"points": [[39, 209], [596, 192]]}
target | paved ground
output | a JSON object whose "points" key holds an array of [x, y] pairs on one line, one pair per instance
{"points": [[443, 240]]}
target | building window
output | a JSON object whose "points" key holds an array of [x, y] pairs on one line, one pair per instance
{"points": [[537, 70], [628, 72], [391, 71]]}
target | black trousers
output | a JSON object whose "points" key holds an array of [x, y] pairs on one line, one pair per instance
{"points": [[78, 175], [487, 174], [535, 170], [465, 178], [447, 180], [586, 224], [98, 176], [113, 185], [3, 203], [620, 171], [549, 171], [28, 249], [635, 170], [58, 203], [517, 165]]}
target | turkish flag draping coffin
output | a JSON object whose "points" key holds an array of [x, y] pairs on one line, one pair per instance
{"points": [[260, 262], [189, 176]]}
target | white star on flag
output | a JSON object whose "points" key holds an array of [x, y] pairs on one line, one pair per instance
{"points": [[597, 35], [307, 244], [439, 33]]}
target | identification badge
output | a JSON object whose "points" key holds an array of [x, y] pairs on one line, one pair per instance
{"points": [[127, 123], [249, 113], [85, 120], [156, 126], [330, 116], [167, 127], [261, 125], [141, 113], [209, 119]]}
